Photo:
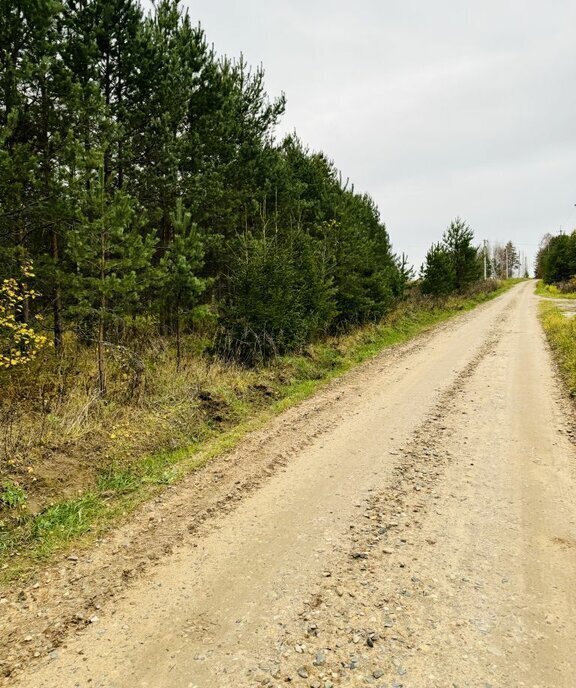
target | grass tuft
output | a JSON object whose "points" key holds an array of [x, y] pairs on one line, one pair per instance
{"points": [[118, 482], [12, 496], [561, 333]]}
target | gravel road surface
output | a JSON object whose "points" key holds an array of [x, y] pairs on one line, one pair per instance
{"points": [[411, 526]]}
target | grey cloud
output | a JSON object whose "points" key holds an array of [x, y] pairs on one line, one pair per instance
{"points": [[435, 109]]}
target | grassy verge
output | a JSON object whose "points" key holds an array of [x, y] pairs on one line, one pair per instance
{"points": [[561, 333], [552, 292], [122, 483]]}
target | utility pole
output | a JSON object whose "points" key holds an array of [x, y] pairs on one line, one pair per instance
{"points": [[485, 259], [506, 250]]}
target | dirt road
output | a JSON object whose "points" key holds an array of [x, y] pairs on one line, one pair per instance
{"points": [[413, 525]]}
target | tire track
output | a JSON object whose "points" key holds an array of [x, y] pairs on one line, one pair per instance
{"points": [[161, 632], [353, 629]]}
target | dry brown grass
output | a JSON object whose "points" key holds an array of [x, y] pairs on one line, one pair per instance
{"points": [[57, 434], [62, 443]]}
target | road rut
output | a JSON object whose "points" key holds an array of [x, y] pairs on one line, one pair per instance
{"points": [[414, 525]]}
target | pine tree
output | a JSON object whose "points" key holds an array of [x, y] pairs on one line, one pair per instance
{"points": [[438, 275], [178, 273], [111, 258], [557, 259], [120, 47], [34, 84], [457, 241], [512, 259]]}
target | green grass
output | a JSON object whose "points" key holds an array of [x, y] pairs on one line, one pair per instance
{"points": [[12, 496], [291, 380], [64, 522], [118, 481], [552, 292], [561, 333]]}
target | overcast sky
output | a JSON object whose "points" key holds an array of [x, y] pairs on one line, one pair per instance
{"points": [[436, 109]]}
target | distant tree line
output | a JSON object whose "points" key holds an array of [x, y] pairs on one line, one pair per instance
{"points": [[556, 260], [455, 263], [140, 175]]}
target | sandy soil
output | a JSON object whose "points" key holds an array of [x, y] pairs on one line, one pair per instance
{"points": [[413, 525]]}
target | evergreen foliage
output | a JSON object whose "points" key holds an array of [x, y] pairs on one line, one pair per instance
{"points": [[438, 272], [458, 240], [556, 258], [453, 264], [141, 174], [178, 274], [278, 297]]}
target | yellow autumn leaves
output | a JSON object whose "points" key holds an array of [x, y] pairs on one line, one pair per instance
{"points": [[19, 343]]}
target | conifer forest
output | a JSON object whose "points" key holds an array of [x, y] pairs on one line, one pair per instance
{"points": [[142, 180], [162, 248]]}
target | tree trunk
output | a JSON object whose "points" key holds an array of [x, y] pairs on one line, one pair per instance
{"points": [[178, 344], [101, 328], [54, 248], [56, 296], [107, 156], [24, 314], [101, 358]]}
